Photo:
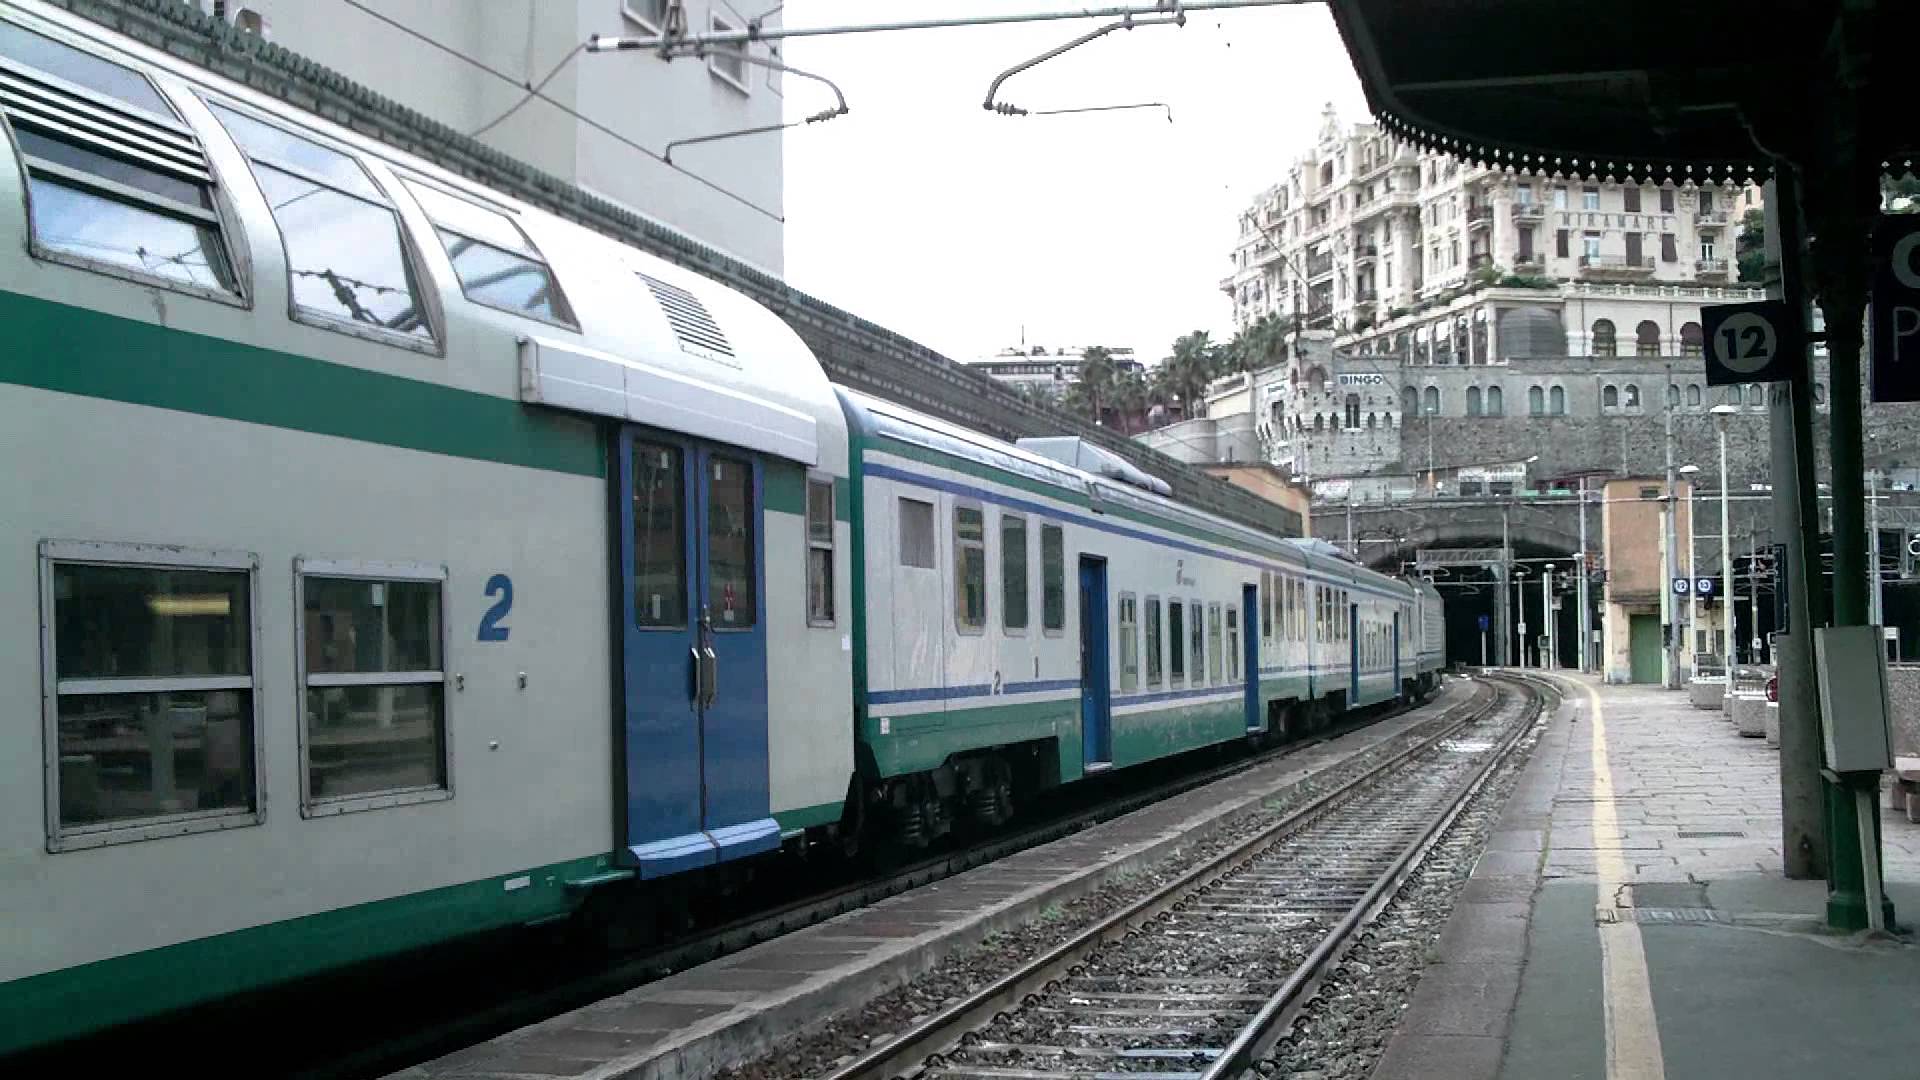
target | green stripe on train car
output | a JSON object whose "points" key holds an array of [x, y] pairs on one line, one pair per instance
{"points": [[808, 816], [783, 489], [923, 741], [44, 1009], [72, 350]]}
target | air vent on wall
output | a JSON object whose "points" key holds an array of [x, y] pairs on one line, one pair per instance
{"points": [[94, 123], [691, 323]]}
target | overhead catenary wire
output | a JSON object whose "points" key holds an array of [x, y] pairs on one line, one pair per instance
{"points": [[482, 65]]}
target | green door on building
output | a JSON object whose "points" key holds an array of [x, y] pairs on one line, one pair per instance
{"points": [[1643, 637]]}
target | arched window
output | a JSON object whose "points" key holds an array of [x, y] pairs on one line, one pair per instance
{"points": [[1317, 380], [1372, 421], [1432, 401], [1673, 395], [1558, 399], [1536, 401], [1693, 395], [1319, 422], [1409, 400], [1733, 394], [1756, 397], [1603, 343], [1632, 400], [1353, 411], [1819, 393], [1496, 402], [1646, 339], [1480, 336], [1473, 401], [1690, 340], [1610, 397]]}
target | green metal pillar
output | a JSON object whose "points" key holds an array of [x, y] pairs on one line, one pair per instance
{"points": [[1842, 210]]}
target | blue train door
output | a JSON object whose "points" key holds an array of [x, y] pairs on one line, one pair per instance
{"points": [[694, 672], [1353, 655], [1398, 684], [1096, 702], [1250, 653]]}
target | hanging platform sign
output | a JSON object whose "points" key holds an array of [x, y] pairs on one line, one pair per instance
{"points": [[1895, 310], [1750, 343]]}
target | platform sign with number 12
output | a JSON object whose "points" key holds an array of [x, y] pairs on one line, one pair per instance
{"points": [[1750, 343]]}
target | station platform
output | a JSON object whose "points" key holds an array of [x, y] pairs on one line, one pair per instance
{"points": [[1630, 919]]}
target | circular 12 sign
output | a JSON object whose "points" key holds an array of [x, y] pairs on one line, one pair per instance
{"points": [[1752, 342], [1745, 343]]}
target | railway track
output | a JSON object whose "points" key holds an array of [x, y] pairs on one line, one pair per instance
{"points": [[1198, 979]]}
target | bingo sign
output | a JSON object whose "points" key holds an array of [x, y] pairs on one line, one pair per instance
{"points": [[1750, 343], [1896, 308]]}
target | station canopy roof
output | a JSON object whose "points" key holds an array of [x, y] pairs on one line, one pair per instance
{"points": [[1648, 89]]}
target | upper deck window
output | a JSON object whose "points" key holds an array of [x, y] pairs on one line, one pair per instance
{"points": [[115, 181], [497, 265], [345, 251]]}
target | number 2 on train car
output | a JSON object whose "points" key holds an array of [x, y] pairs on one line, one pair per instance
{"points": [[490, 628]]}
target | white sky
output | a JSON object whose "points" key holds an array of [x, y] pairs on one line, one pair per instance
{"points": [[923, 212]]}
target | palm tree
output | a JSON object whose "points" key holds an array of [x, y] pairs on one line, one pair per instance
{"points": [[1130, 395], [1096, 378], [1193, 366], [1264, 343]]}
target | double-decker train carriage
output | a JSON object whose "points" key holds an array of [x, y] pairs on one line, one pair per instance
{"points": [[411, 562]]}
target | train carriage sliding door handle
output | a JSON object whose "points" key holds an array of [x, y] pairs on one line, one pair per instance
{"points": [[711, 688]]}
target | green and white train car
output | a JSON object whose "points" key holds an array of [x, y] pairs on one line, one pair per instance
{"points": [[1024, 623], [407, 562]]}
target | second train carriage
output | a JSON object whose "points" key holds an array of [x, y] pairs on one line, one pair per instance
{"points": [[386, 607], [1023, 623]]}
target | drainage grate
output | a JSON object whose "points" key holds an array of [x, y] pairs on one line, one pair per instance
{"points": [[1658, 915], [1703, 834]]}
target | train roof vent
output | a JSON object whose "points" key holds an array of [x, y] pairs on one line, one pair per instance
{"points": [[691, 322], [99, 124]]}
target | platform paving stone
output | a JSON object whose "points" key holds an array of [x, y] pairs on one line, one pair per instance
{"points": [[1744, 979]]}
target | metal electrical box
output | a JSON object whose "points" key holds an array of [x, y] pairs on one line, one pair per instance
{"points": [[1852, 672]]}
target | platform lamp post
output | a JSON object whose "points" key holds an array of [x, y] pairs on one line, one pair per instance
{"points": [[1520, 606], [1721, 413], [1693, 580]]}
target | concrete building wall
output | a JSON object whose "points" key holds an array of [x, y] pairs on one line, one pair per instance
{"points": [[465, 63]]}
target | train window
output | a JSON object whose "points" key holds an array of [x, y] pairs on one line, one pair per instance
{"points": [[969, 569], [497, 265], [659, 537], [1053, 578], [373, 686], [733, 601], [1177, 639], [819, 552], [1266, 607], [1153, 642], [916, 534], [152, 719], [1197, 635], [1213, 643], [115, 181], [1129, 648], [1233, 645], [346, 254], [1013, 571]]}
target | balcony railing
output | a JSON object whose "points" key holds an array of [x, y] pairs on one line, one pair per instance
{"points": [[1319, 265], [1710, 219], [1365, 252], [1710, 267], [1479, 215], [1529, 212], [1529, 260], [1615, 266]]}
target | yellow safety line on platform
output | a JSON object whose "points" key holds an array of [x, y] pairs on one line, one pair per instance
{"points": [[1633, 1036]]}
